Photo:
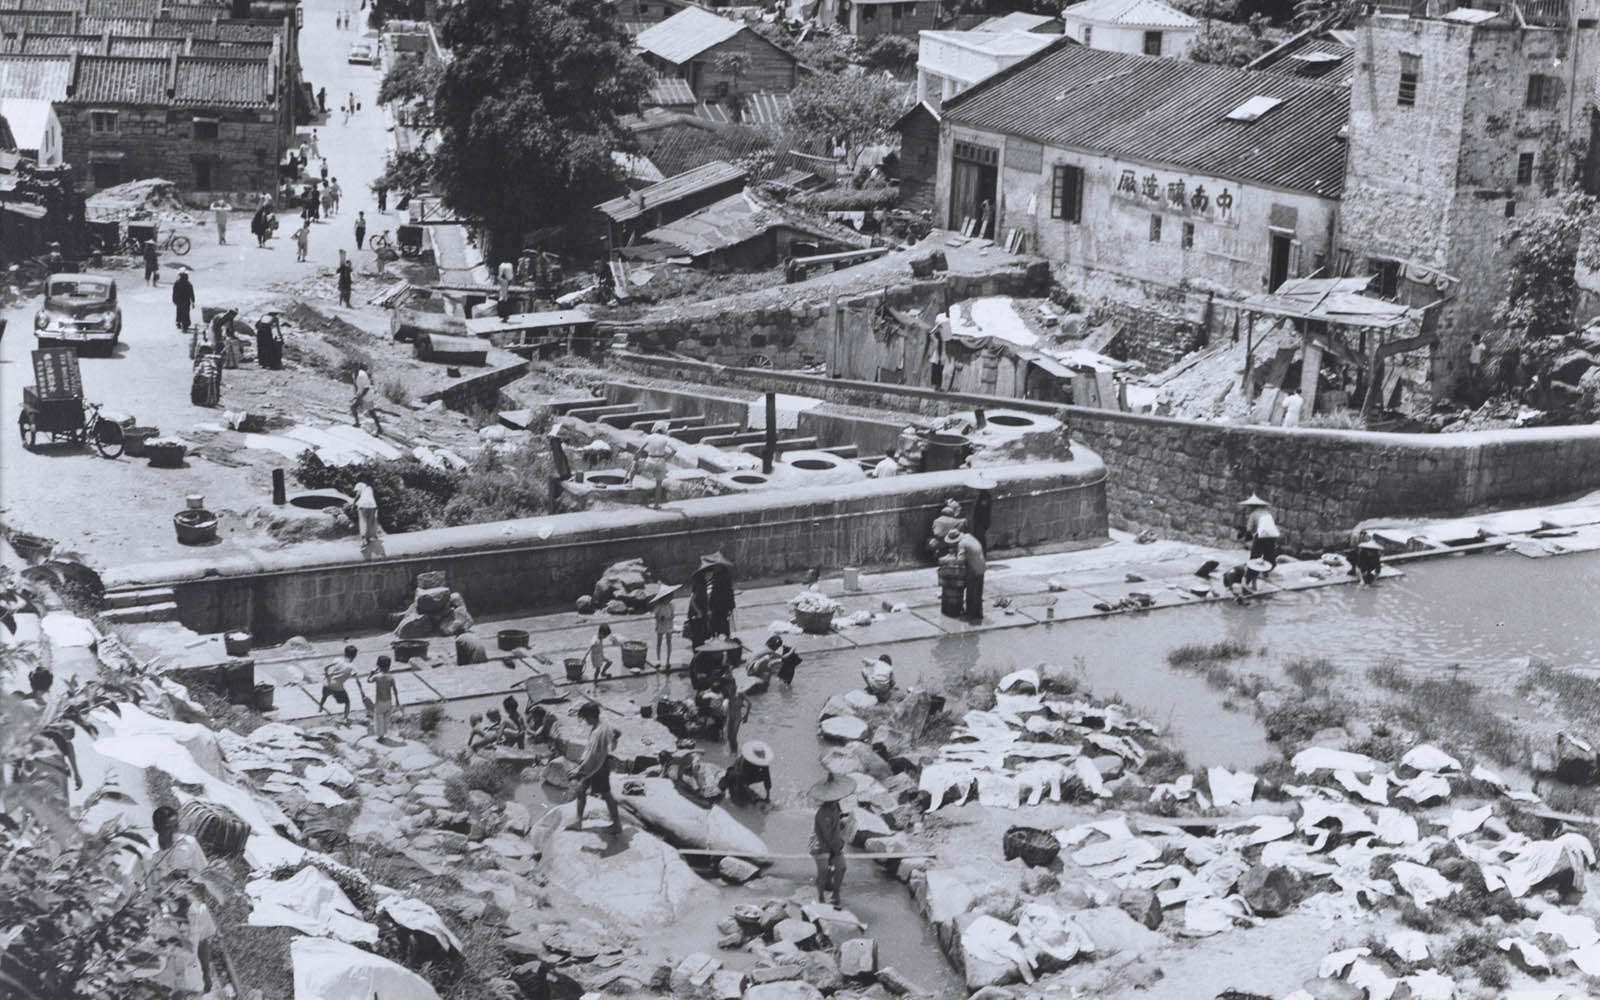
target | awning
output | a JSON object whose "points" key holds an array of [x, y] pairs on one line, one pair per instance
{"points": [[1338, 301]]}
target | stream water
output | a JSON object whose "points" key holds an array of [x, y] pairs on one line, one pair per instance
{"points": [[1483, 612]]}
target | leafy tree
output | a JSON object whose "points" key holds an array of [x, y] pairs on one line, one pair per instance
{"points": [[1226, 44], [527, 109], [734, 64], [410, 79], [1544, 248], [411, 171], [858, 110], [892, 52]]}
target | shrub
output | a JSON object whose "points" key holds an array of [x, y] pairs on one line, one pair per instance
{"points": [[1198, 652], [1310, 675], [429, 717], [1295, 724], [851, 200], [411, 496], [395, 391], [892, 52], [499, 486], [487, 776]]}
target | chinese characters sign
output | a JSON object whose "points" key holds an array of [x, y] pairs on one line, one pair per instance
{"points": [[55, 374], [1214, 203]]}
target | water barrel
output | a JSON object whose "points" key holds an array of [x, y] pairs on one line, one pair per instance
{"points": [[239, 680], [942, 452], [952, 586], [634, 654], [264, 697]]}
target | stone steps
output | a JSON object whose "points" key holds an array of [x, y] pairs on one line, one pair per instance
{"points": [[137, 596], [163, 611], [636, 418], [698, 435], [784, 444], [566, 406], [592, 413]]}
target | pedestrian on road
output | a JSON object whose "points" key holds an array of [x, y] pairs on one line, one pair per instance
{"points": [[597, 651], [385, 700], [259, 226], [363, 402], [361, 228], [830, 833], [315, 149], [327, 203], [593, 773], [324, 171], [322, 99], [152, 263], [383, 197], [346, 275], [269, 341], [221, 208], [337, 192], [971, 552], [302, 238], [182, 299]]}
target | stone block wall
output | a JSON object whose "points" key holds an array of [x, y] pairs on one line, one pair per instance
{"points": [[478, 391], [160, 142], [547, 562]]}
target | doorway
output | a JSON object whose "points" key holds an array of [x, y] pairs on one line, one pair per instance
{"points": [[974, 179], [1282, 250]]}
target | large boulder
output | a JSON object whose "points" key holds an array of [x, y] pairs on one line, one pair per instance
{"points": [[433, 600], [634, 878], [1269, 889], [858, 958], [1114, 932], [413, 624], [990, 954], [628, 581]]}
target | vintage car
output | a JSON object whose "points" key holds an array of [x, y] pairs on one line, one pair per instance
{"points": [[362, 54], [79, 309]]}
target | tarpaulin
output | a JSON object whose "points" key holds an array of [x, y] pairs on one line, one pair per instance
{"points": [[309, 901], [415, 915], [331, 970]]}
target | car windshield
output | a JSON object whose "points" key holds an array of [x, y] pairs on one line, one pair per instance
{"points": [[80, 289]]}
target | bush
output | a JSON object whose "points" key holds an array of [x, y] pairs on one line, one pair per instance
{"points": [[395, 391], [1295, 724], [851, 200], [411, 496], [1199, 652], [429, 717], [500, 486], [487, 776], [892, 52]]}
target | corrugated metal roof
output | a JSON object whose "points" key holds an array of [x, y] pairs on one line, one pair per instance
{"points": [[154, 48], [720, 225], [1131, 13], [669, 92], [132, 27], [765, 108], [1016, 21], [1168, 111], [1321, 57], [690, 182], [230, 50], [686, 34], [120, 80], [38, 78], [234, 83], [56, 22], [714, 113], [146, 9]]}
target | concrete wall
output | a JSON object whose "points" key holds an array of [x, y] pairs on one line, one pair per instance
{"points": [[1183, 478], [1175, 42], [548, 562], [480, 390]]}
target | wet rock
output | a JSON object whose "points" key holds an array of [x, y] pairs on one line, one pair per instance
{"points": [[844, 728], [858, 958], [433, 601], [692, 976], [794, 931], [1142, 905], [994, 993], [525, 947], [1269, 889], [774, 973], [453, 820], [414, 625], [792, 989], [821, 969], [432, 580], [636, 880], [479, 800], [730, 941], [977, 932], [737, 870], [890, 979], [1114, 932], [518, 819]]}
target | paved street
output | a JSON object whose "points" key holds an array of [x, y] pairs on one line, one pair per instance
{"points": [[120, 510]]}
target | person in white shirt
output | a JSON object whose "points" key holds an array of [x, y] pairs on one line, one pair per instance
{"points": [[889, 466], [363, 401], [1291, 409], [367, 513]]}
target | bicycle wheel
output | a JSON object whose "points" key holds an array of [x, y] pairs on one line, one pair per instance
{"points": [[108, 437], [179, 245], [28, 428]]}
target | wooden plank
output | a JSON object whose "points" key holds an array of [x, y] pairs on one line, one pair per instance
{"points": [[844, 256]]}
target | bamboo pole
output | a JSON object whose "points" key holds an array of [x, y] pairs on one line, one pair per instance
{"points": [[697, 852]]}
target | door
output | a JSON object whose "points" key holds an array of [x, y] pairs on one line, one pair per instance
{"points": [[973, 176], [202, 175], [1282, 247]]}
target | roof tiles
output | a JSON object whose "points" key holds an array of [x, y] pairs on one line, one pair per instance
{"points": [[1170, 112], [120, 80], [40, 78], [239, 83]]}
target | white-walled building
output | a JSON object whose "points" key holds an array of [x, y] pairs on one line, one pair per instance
{"points": [[949, 62], [1138, 27], [35, 129]]}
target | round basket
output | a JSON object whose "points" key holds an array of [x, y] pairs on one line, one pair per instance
{"points": [[513, 638], [195, 527], [134, 438], [219, 829], [410, 649], [814, 622], [634, 654], [574, 668], [1036, 848], [165, 454]]}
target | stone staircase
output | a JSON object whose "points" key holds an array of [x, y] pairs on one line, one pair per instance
{"points": [[138, 605]]}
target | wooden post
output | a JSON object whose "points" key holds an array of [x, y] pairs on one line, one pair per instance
{"points": [[280, 495], [771, 450], [1249, 353], [1310, 368]]}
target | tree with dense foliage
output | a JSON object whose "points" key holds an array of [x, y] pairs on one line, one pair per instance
{"points": [[1545, 247], [410, 79], [528, 109], [1226, 44], [854, 110]]}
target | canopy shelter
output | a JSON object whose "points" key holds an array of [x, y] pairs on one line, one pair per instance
{"points": [[1318, 307]]}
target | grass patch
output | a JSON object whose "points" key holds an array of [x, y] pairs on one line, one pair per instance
{"points": [[1577, 696], [1450, 712], [1389, 675], [1195, 654], [1310, 676], [222, 714], [395, 391], [1294, 723]]}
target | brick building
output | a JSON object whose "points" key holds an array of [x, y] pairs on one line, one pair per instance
{"points": [[1126, 169], [207, 124], [691, 43]]}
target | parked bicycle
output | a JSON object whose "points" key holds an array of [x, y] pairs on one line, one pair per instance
{"points": [[133, 245]]}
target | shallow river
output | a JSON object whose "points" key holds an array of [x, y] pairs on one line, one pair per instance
{"points": [[1481, 611]]}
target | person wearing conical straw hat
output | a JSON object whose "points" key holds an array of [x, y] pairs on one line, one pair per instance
{"points": [[1260, 528], [830, 834], [752, 767], [1366, 561]]}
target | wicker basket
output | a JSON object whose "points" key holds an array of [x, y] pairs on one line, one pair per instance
{"points": [[1036, 848], [814, 622], [165, 454], [195, 527], [219, 829], [134, 438]]}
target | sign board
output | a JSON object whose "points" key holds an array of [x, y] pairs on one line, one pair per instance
{"points": [[56, 375], [1175, 194]]}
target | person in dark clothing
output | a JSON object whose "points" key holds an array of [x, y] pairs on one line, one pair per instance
{"points": [[260, 228], [712, 597], [830, 834], [383, 198], [593, 773], [322, 99], [346, 275], [152, 263], [361, 228], [269, 341], [1366, 561], [752, 767], [182, 299]]}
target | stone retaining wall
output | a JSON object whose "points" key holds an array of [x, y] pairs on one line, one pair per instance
{"points": [[481, 391], [542, 563], [1183, 478]]}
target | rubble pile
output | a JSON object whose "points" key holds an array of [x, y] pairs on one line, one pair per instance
{"points": [[434, 610], [625, 588], [139, 201]]}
